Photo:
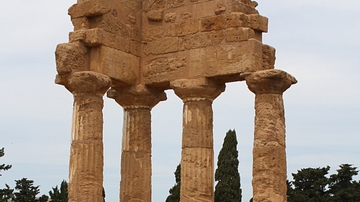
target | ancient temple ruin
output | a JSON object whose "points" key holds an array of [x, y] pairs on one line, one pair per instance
{"points": [[134, 50]]}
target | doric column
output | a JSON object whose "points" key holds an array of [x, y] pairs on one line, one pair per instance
{"points": [[197, 158], [86, 153], [136, 171], [269, 158]]}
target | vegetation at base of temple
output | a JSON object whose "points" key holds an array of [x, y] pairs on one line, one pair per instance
{"points": [[227, 174], [313, 185], [175, 190], [25, 191]]}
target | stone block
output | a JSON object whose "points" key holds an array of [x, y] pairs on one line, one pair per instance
{"points": [[120, 66], [80, 23], [170, 17], [153, 4], [89, 8], [268, 57], [164, 69], [155, 15], [237, 19], [70, 57], [175, 3], [226, 62], [132, 4], [110, 24], [97, 37], [152, 32], [184, 27], [258, 22], [238, 34], [212, 23], [200, 40], [161, 46], [244, 7]]}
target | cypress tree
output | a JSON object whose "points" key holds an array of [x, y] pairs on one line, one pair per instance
{"points": [[227, 175], [175, 190]]}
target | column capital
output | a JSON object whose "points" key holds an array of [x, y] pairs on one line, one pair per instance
{"points": [[85, 82], [139, 96], [272, 81], [200, 88]]}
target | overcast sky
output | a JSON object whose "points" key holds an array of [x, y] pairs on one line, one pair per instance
{"points": [[317, 42]]}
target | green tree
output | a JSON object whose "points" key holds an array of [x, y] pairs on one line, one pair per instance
{"points": [[3, 166], [59, 195], [6, 194], [43, 198], [103, 194], [309, 185], [227, 175], [342, 187], [175, 190], [26, 191]]}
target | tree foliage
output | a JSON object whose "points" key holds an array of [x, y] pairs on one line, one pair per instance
{"points": [[7, 193], [3, 166], [26, 191], [342, 187], [313, 185], [59, 195], [227, 175], [175, 190]]}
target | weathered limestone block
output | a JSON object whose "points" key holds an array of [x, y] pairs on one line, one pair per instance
{"points": [[70, 57], [197, 160], [96, 37], [137, 102], [109, 23], [236, 19], [258, 22], [131, 18], [164, 65], [161, 70], [201, 40], [184, 27], [211, 23], [155, 15], [89, 8], [238, 34], [245, 6], [80, 23], [269, 157], [226, 62], [170, 17], [175, 3], [220, 9], [120, 66], [268, 57], [153, 5], [152, 32], [86, 154], [161, 46], [132, 4]]}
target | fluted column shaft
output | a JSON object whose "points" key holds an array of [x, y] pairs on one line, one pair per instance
{"points": [[86, 152], [136, 169], [269, 156], [197, 157]]}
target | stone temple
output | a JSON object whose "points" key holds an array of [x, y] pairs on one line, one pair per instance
{"points": [[134, 50]]}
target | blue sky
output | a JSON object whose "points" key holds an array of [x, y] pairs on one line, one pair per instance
{"points": [[318, 43]]}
